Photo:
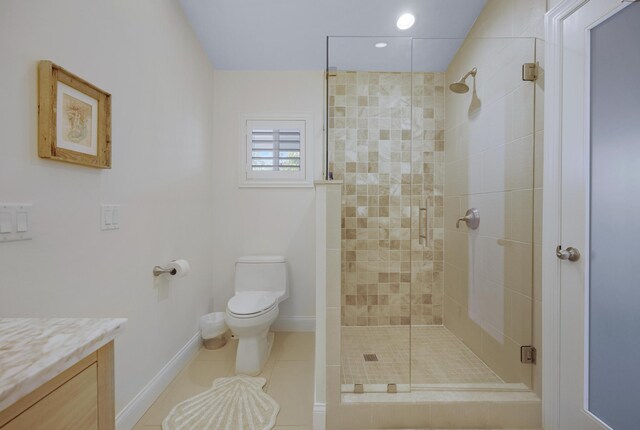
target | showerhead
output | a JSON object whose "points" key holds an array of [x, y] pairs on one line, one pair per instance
{"points": [[460, 87]]}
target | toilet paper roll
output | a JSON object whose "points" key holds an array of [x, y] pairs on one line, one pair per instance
{"points": [[180, 268]]}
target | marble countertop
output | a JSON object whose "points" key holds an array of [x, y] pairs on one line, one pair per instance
{"points": [[35, 350]]}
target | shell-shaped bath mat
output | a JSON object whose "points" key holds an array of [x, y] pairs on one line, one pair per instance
{"points": [[235, 403]]}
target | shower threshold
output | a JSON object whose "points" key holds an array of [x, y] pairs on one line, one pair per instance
{"points": [[443, 395], [375, 388], [407, 388]]}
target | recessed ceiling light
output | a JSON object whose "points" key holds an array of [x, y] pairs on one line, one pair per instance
{"points": [[406, 21], [381, 45]]}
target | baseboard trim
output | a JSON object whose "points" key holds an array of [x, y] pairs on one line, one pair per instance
{"points": [[285, 323], [135, 409], [319, 416]]}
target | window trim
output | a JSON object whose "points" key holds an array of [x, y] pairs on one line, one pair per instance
{"points": [[249, 178]]}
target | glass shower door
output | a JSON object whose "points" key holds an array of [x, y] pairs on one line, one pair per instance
{"points": [[473, 144], [427, 301], [369, 147]]}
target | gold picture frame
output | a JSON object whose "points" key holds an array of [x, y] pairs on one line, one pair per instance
{"points": [[74, 118]]}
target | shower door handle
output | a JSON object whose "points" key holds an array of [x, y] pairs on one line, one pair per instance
{"points": [[423, 226]]}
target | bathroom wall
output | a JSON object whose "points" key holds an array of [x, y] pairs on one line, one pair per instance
{"points": [[391, 163], [145, 54], [251, 221], [493, 162], [553, 3]]}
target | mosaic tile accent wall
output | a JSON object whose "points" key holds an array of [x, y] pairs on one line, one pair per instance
{"points": [[386, 142]]}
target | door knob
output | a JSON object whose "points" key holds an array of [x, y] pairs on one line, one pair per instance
{"points": [[571, 254]]}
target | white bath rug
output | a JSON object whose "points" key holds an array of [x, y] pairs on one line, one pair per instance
{"points": [[236, 403]]}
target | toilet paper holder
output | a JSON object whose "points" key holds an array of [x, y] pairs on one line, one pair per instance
{"points": [[157, 271], [178, 268]]}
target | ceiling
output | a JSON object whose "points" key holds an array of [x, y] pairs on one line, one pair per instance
{"points": [[292, 34]]}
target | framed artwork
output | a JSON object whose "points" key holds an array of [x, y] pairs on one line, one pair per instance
{"points": [[74, 118]]}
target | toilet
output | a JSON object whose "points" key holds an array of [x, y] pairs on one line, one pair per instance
{"points": [[261, 283]]}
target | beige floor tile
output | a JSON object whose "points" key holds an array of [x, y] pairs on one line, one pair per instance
{"points": [[226, 353], [197, 377], [158, 410], [291, 386], [292, 428], [289, 374], [294, 346]]}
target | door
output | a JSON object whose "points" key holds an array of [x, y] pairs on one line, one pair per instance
{"points": [[600, 197]]}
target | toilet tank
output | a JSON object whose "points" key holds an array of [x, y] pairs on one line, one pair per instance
{"points": [[262, 273]]}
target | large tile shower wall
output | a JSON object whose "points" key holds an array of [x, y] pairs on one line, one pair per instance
{"points": [[386, 140], [490, 166]]}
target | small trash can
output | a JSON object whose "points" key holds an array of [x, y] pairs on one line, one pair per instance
{"points": [[213, 330]]}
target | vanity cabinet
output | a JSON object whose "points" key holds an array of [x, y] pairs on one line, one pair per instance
{"points": [[80, 398]]}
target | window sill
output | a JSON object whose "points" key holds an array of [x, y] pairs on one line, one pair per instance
{"points": [[276, 184]]}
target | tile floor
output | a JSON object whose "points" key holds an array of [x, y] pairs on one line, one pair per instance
{"points": [[289, 374], [436, 355], [389, 343]]}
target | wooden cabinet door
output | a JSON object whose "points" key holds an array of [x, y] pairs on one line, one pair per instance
{"points": [[72, 406]]}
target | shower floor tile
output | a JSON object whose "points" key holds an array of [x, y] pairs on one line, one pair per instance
{"points": [[438, 357], [389, 343]]}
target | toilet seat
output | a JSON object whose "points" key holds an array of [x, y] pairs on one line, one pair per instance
{"points": [[252, 304]]}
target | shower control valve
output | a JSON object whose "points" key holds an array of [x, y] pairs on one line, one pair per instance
{"points": [[471, 218]]}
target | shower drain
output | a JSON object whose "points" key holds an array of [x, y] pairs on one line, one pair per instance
{"points": [[370, 357]]}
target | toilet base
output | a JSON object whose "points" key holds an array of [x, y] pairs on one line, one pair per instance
{"points": [[253, 353]]}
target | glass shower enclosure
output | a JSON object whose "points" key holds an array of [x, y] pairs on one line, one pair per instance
{"points": [[437, 210]]}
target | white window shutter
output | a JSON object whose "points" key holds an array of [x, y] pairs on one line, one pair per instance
{"points": [[275, 150]]}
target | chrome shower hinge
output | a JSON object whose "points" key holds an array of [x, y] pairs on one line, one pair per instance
{"points": [[528, 354], [529, 72]]}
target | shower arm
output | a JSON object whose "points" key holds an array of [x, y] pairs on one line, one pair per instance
{"points": [[471, 72]]}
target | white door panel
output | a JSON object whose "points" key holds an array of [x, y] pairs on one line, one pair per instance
{"points": [[577, 32]]}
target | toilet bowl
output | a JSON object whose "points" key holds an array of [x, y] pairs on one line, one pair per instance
{"points": [[261, 283]]}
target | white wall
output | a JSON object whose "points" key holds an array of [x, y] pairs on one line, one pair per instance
{"points": [[264, 220], [145, 54], [553, 3]]}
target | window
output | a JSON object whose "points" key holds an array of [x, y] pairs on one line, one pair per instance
{"points": [[274, 153], [275, 149]]}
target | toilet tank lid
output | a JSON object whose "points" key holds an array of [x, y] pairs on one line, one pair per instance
{"points": [[262, 259]]}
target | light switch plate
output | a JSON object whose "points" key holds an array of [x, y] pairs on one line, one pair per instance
{"points": [[6, 222], [22, 222], [15, 222], [109, 217]]}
